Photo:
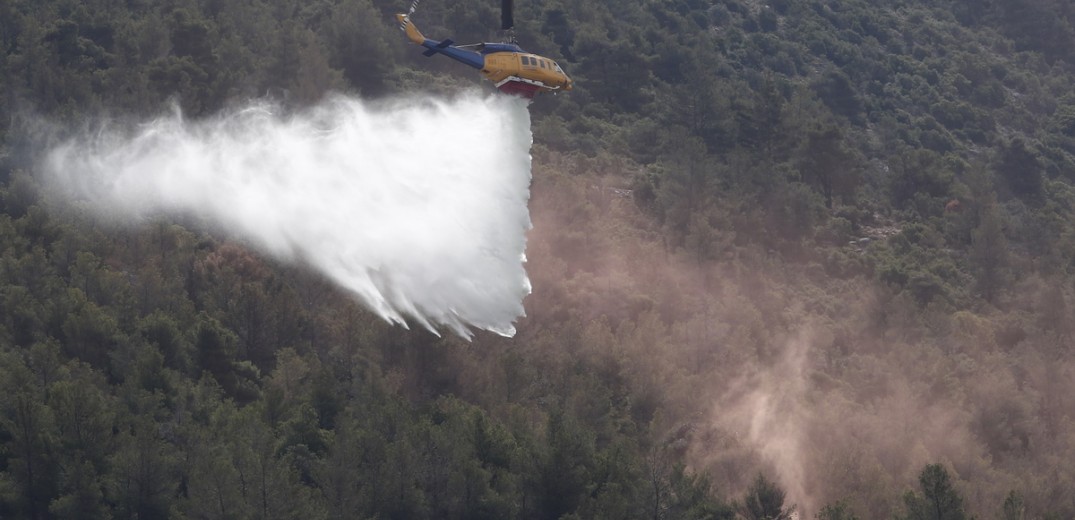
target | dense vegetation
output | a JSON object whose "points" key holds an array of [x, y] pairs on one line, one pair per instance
{"points": [[815, 252]]}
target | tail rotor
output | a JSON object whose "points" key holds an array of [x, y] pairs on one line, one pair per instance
{"points": [[405, 19]]}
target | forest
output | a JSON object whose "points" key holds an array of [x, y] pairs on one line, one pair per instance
{"points": [[794, 259]]}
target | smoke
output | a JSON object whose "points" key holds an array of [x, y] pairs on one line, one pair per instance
{"points": [[418, 207]]}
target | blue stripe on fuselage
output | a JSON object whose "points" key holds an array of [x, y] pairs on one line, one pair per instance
{"points": [[468, 57]]}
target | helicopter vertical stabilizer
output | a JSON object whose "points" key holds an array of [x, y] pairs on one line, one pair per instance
{"points": [[413, 34]]}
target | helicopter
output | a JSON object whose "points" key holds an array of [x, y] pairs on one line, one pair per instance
{"points": [[513, 70]]}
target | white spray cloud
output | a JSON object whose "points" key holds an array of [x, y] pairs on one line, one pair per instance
{"points": [[419, 208]]}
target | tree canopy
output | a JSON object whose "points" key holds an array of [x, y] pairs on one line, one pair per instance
{"points": [[784, 254]]}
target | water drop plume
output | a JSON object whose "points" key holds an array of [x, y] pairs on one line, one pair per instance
{"points": [[418, 207]]}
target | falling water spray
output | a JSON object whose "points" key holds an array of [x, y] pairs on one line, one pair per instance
{"points": [[417, 207]]}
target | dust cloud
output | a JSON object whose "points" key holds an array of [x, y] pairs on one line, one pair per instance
{"points": [[836, 389], [416, 206]]}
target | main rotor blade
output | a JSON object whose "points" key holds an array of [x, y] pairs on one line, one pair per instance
{"points": [[507, 18]]}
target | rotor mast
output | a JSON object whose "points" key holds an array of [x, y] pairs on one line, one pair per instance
{"points": [[507, 19]]}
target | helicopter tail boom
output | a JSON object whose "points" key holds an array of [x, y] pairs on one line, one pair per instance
{"points": [[444, 47]]}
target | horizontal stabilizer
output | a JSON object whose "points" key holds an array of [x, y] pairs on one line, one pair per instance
{"points": [[443, 44]]}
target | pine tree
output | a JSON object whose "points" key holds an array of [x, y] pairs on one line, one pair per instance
{"points": [[939, 499]]}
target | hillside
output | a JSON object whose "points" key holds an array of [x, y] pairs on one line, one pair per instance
{"points": [[811, 253]]}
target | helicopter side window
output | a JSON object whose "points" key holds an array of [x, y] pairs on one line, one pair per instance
{"points": [[542, 62], [526, 60]]}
